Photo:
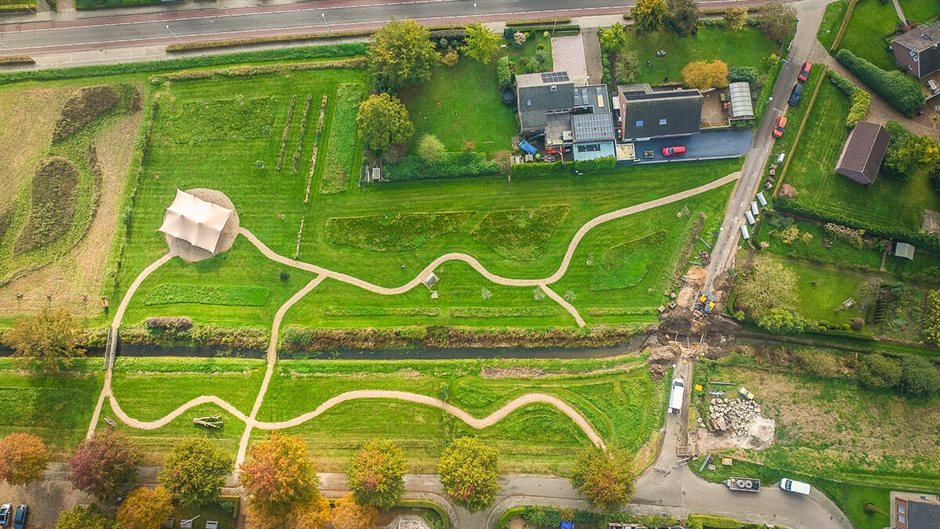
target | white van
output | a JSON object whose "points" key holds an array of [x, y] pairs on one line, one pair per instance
{"points": [[797, 487], [676, 396]]}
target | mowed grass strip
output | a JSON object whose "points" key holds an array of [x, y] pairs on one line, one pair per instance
{"points": [[520, 234], [342, 144], [195, 122], [392, 233], [56, 407], [812, 172], [624, 406], [831, 22], [625, 265], [170, 293]]}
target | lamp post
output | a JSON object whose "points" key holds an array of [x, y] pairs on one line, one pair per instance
{"points": [[323, 16], [171, 31]]}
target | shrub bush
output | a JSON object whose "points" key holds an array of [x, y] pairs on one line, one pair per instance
{"points": [[932, 317], [169, 324], [503, 71], [919, 377], [877, 371], [536, 169], [453, 165], [901, 91], [747, 74], [14, 60], [253, 41]]}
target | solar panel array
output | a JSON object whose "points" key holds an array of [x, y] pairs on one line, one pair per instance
{"points": [[554, 77]]}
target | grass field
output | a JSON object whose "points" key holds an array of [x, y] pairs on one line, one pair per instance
{"points": [[923, 11], [867, 443], [616, 395], [871, 21], [737, 48], [822, 290], [831, 22], [56, 407], [812, 173]]}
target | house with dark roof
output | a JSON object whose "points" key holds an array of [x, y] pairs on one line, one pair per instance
{"points": [[575, 118], [863, 152], [913, 511], [917, 52], [658, 112]]}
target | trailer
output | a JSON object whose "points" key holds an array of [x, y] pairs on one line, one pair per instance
{"points": [[743, 484], [750, 217], [762, 200], [744, 233], [754, 209], [676, 396]]}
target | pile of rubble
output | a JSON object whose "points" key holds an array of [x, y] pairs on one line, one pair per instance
{"points": [[734, 415]]}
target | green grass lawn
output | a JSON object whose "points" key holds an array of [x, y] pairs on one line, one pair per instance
{"points": [[56, 407], [871, 21], [812, 173], [924, 11], [831, 22], [822, 290], [737, 48], [616, 395], [149, 388]]}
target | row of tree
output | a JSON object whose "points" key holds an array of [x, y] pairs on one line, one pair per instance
{"points": [[775, 19]]}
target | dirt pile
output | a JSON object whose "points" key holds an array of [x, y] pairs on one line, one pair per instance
{"points": [[662, 358]]}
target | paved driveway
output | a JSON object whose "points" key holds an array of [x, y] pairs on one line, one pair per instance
{"points": [[708, 144]]}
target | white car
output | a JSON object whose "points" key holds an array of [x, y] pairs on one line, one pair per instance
{"points": [[5, 511], [797, 487]]}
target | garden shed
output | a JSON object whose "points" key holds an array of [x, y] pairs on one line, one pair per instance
{"points": [[742, 106], [863, 152]]}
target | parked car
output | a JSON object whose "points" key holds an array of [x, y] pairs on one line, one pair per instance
{"points": [[675, 150], [780, 126], [804, 72], [5, 511], [796, 94], [794, 486], [19, 521]]}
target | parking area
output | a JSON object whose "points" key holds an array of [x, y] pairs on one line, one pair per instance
{"points": [[706, 145], [46, 499]]}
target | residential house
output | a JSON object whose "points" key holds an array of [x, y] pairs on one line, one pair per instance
{"points": [[863, 152], [572, 117], [917, 52], [658, 112], [911, 511]]}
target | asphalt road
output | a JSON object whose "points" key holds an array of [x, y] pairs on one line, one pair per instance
{"points": [[126, 31]]}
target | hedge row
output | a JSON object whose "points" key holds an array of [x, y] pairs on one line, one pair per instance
{"points": [[916, 238], [16, 60], [536, 169], [861, 99], [231, 338], [537, 22], [304, 340], [253, 41], [898, 89], [454, 165], [331, 51], [264, 69]]}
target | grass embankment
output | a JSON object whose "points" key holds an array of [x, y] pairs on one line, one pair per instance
{"points": [[854, 444], [616, 395], [747, 47], [56, 407], [831, 22]]}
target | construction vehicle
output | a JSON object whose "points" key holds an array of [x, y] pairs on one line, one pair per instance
{"points": [[743, 484], [705, 303]]}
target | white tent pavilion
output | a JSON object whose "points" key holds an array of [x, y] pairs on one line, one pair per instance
{"points": [[195, 221]]}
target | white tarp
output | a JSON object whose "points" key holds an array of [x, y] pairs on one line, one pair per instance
{"points": [[195, 221], [742, 107]]}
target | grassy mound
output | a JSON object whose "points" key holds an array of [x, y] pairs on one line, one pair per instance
{"points": [[238, 118], [384, 233], [53, 204], [625, 265], [341, 147], [245, 295], [520, 234], [85, 106]]}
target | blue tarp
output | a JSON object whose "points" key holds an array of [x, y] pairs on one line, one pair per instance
{"points": [[528, 148], [566, 525]]}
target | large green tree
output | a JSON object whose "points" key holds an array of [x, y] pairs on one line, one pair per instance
{"points": [[480, 43], [606, 478], [682, 16], [376, 475], [383, 123], [401, 54], [278, 476], [145, 508], [776, 20], [767, 284], [468, 470], [46, 341], [104, 464], [735, 18], [612, 38], [649, 15], [350, 515], [195, 471], [23, 457]]}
